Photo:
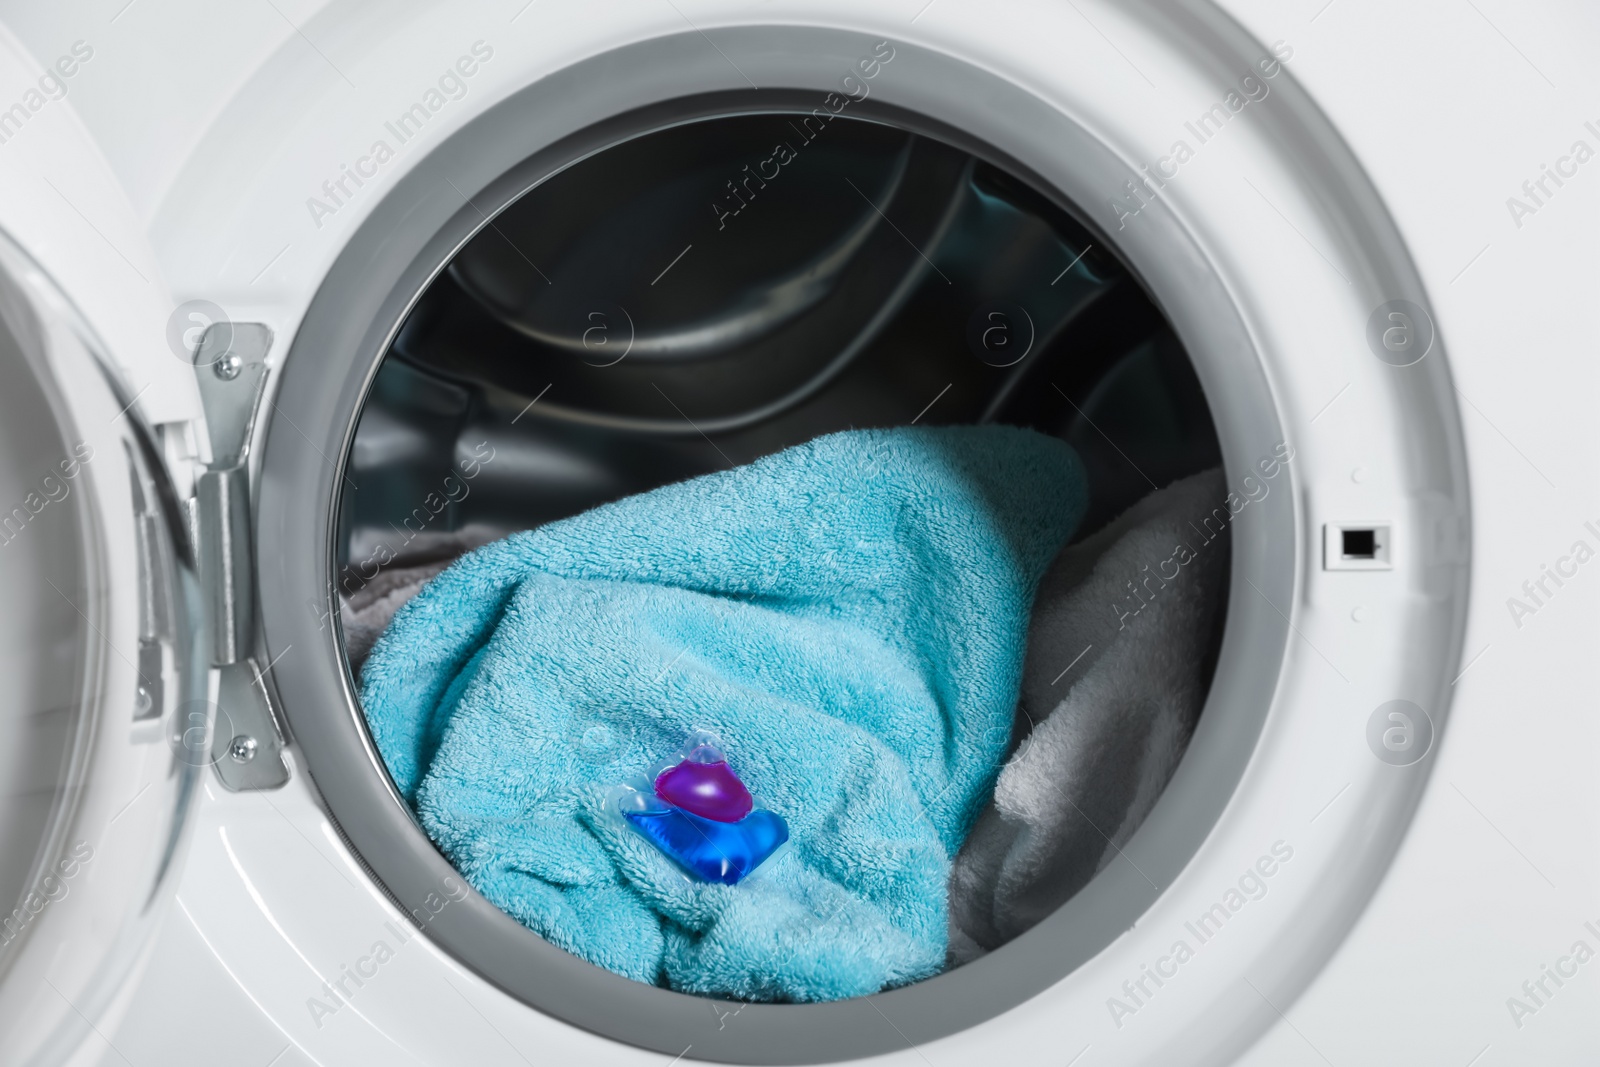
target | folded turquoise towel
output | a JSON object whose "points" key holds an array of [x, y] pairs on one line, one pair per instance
{"points": [[848, 616]]}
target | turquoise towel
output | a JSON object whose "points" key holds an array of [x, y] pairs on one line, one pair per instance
{"points": [[849, 616]]}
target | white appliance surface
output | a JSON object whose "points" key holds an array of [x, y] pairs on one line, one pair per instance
{"points": [[196, 162]]}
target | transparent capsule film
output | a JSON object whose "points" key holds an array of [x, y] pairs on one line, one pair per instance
{"points": [[697, 811]]}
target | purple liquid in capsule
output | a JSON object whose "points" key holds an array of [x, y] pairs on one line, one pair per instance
{"points": [[709, 790]]}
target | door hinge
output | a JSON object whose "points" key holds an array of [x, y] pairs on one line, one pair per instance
{"points": [[231, 369]]}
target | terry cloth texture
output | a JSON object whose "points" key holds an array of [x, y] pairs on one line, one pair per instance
{"points": [[849, 616], [1132, 611]]}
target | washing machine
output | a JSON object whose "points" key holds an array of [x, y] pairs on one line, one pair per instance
{"points": [[295, 295]]}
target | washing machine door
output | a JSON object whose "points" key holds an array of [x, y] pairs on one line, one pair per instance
{"points": [[105, 728]]}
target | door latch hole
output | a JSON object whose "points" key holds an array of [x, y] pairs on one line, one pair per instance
{"points": [[1356, 546], [1359, 544]]}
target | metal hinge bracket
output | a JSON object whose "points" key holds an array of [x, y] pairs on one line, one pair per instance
{"points": [[231, 370]]}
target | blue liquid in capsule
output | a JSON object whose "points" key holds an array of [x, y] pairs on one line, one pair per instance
{"points": [[716, 851]]}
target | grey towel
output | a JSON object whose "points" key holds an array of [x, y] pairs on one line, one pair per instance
{"points": [[1114, 679], [366, 612], [368, 601]]}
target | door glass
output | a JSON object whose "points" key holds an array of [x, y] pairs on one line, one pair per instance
{"points": [[104, 722]]}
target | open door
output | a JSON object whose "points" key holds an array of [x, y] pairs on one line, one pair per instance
{"points": [[105, 728]]}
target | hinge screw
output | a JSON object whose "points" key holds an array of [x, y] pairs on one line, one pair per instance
{"points": [[227, 368], [242, 749]]}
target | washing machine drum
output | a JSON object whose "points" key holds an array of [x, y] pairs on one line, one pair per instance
{"points": [[675, 304], [697, 297]]}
